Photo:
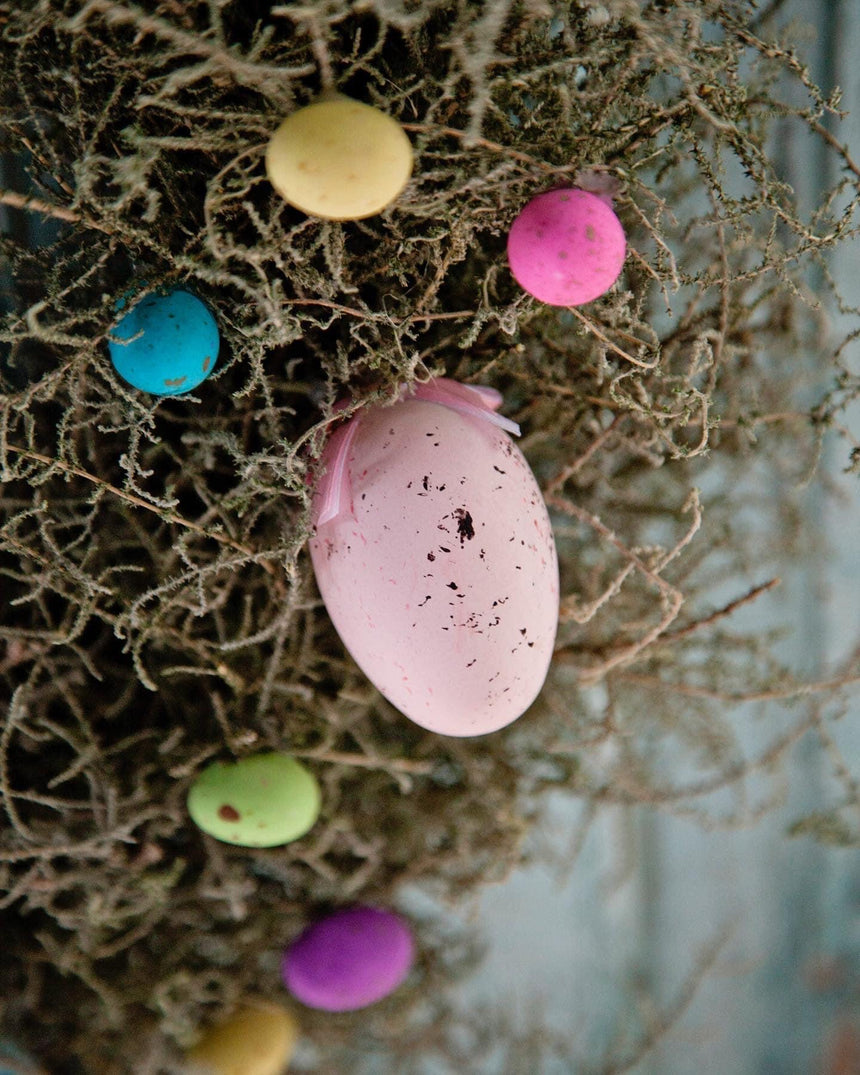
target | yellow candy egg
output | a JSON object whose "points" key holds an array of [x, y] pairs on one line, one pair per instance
{"points": [[339, 159], [257, 1039]]}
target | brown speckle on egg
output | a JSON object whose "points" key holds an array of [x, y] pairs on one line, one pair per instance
{"points": [[465, 526]]}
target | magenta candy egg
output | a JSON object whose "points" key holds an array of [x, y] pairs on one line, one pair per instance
{"points": [[349, 960], [566, 247], [435, 557]]}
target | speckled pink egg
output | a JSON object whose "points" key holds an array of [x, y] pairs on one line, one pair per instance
{"points": [[349, 960], [434, 554], [566, 247]]}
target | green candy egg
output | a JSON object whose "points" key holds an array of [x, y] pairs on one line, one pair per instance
{"points": [[260, 801]]}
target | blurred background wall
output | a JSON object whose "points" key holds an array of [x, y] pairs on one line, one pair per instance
{"points": [[599, 948]]}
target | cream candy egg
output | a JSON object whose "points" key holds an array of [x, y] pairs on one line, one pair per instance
{"points": [[339, 159], [435, 557]]}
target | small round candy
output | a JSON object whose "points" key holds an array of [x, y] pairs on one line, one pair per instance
{"points": [[339, 159], [348, 960], [566, 247], [172, 343], [258, 1039], [260, 801]]}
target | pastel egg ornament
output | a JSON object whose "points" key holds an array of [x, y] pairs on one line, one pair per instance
{"points": [[264, 800], [166, 343], [349, 960], [566, 247], [339, 159], [259, 1038], [434, 554]]}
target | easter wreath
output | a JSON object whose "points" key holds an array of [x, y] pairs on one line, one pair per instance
{"points": [[160, 613]]}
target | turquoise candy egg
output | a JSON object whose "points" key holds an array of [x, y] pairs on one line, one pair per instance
{"points": [[166, 344]]}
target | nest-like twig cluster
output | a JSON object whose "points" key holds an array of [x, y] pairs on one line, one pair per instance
{"points": [[158, 608]]}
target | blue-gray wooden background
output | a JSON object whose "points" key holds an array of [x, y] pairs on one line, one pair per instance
{"points": [[595, 952]]}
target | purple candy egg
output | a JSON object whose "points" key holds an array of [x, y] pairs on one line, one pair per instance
{"points": [[348, 960], [566, 247]]}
